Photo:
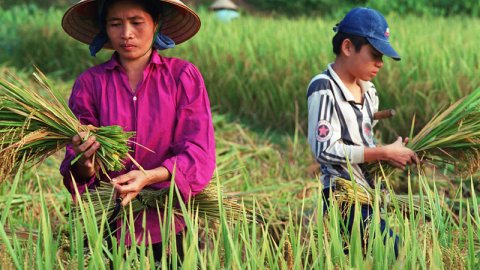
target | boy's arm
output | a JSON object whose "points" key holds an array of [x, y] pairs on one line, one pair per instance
{"points": [[325, 128], [396, 153]]}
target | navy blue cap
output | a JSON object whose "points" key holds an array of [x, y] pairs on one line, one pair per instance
{"points": [[371, 24]]}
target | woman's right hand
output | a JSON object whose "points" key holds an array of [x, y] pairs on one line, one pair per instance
{"points": [[85, 166]]}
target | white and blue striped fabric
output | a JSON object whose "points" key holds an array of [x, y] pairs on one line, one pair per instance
{"points": [[338, 128]]}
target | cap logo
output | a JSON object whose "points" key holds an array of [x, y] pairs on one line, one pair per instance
{"points": [[387, 33]]}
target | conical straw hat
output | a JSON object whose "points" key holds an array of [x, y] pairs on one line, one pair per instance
{"points": [[223, 4], [178, 21]]}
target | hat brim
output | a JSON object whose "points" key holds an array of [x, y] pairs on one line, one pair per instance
{"points": [[178, 21], [384, 47]]}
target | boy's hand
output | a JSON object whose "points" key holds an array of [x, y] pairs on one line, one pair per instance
{"points": [[88, 147], [398, 155]]}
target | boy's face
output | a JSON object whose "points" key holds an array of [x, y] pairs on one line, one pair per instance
{"points": [[366, 63]]}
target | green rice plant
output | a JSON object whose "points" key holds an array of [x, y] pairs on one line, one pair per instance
{"points": [[317, 243], [36, 124]]}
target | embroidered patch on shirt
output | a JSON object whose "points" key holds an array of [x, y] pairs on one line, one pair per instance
{"points": [[367, 131], [324, 131]]}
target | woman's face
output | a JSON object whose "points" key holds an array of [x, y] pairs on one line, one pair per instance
{"points": [[130, 30]]}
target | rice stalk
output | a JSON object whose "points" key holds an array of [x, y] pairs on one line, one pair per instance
{"points": [[346, 193], [102, 198], [35, 122], [450, 137], [206, 203]]}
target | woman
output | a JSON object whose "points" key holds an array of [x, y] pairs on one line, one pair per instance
{"points": [[163, 100]]}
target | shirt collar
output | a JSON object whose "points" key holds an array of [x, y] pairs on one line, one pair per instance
{"points": [[114, 62], [344, 90]]}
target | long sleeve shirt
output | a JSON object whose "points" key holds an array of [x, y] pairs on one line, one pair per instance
{"points": [[338, 128], [170, 113]]}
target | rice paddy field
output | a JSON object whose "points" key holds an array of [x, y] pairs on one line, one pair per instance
{"points": [[256, 70]]}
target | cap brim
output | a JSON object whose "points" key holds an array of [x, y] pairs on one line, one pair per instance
{"points": [[384, 47]]}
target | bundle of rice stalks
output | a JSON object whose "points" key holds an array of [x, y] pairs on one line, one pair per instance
{"points": [[207, 203], [347, 194], [38, 122], [450, 137]]}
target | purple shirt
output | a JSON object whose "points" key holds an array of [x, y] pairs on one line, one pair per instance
{"points": [[170, 113]]}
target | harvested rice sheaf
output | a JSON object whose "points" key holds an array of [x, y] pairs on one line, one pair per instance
{"points": [[207, 203], [347, 193], [35, 122], [450, 137]]}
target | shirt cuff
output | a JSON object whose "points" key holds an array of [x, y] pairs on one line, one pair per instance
{"points": [[357, 154], [72, 178], [180, 181]]}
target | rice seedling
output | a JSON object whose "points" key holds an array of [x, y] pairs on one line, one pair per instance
{"points": [[36, 126]]}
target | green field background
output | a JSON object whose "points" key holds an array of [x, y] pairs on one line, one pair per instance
{"points": [[256, 70]]}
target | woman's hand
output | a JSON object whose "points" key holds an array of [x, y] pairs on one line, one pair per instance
{"points": [[130, 184], [398, 155], [85, 166]]}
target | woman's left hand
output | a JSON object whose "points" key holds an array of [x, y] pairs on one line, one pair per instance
{"points": [[130, 184]]}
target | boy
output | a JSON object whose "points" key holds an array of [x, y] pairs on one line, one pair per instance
{"points": [[342, 101]]}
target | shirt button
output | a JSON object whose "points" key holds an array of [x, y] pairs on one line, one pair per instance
{"points": [[132, 167], [135, 98]]}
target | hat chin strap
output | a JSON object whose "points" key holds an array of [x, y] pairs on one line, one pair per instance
{"points": [[162, 42], [98, 42]]}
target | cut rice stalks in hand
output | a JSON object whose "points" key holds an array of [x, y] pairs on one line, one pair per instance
{"points": [[450, 137], [37, 122], [207, 203]]}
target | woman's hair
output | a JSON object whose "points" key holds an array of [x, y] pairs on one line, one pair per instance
{"points": [[357, 41], [152, 7]]}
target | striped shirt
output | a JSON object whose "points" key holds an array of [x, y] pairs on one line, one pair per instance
{"points": [[338, 128]]}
